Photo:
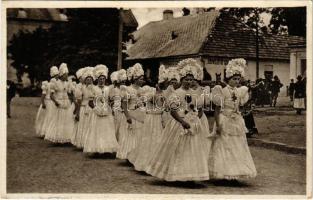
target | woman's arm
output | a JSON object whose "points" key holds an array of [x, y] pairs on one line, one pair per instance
{"points": [[179, 119], [216, 117], [125, 109], [43, 103], [54, 100]]}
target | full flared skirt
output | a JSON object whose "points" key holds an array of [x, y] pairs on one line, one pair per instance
{"points": [[62, 126], [230, 155], [118, 118], [299, 103], [81, 127], [151, 135], [180, 157], [100, 137], [129, 134]]}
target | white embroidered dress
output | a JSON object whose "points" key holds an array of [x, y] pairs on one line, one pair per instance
{"points": [[151, 132], [100, 137], [231, 158], [62, 125], [182, 154]]}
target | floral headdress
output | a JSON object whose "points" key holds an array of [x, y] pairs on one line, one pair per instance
{"points": [[114, 76], [122, 75], [173, 73], [100, 70], [54, 71], [44, 85], [162, 74], [190, 66], [63, 69], [135, 71], [80, 72], [236, 66], [88, 72]]}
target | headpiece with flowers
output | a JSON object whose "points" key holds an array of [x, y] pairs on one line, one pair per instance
{"points": [[236, 66], [122, 75], [162, 74], [54, 71], [114, 76], [88, 72], [63, 69], [44, 85], [173, 73], [190, 66], [100, 70], [80, 72], [135, 71]]}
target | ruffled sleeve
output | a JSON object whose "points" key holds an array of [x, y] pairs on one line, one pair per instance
{"points": [[243, 94], [174, 101], [217, 95], [44, 87], [124, 92], [53, 85], [72, 86]]}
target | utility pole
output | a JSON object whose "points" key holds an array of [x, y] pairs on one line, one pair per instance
{"points": [[120, 39], [257, 43]]}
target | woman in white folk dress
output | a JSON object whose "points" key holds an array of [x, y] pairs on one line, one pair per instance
{"points": [[77, 95], [231, 158], [83, 111], [100, 137], [182, 154], [130, 128], [63, 123], [46, 108], [118, 79], [173, 79], [151, 131], [203, 98], [42, 110]]}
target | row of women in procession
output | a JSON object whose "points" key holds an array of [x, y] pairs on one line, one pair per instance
{"points": [[160, 130]]}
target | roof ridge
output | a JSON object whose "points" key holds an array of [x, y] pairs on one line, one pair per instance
{"points": [[177, 18]]}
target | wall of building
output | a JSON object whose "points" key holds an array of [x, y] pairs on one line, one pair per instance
{"points": [[296, 55]]}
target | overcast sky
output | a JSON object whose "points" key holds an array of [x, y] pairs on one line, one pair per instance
{"points": [[146, 15]]}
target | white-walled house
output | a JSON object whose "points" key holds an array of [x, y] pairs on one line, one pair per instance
{"points": [[213, 39]]}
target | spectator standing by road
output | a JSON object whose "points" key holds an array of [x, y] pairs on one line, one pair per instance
{"points": [[299, 95], [275, 89], [291, 89], [11, 90]]}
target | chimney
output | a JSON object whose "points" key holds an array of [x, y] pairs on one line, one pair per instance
{"points": [[168, 14]]}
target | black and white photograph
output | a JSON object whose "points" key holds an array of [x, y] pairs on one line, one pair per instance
{"points": [[189, 100]]}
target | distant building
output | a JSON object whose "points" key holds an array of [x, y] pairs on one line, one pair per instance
{"points": [[33, 18], [213, 39]]}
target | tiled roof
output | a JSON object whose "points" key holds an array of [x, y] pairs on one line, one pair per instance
{"points": [[155, 39], [206, 34], [231, 38], [36, 14]]}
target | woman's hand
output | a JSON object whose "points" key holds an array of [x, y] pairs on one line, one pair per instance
{"points": [[77, 118], [218, 130], [43, 106], [91, 104], [57, 104], [129, 120], [185, 125]]}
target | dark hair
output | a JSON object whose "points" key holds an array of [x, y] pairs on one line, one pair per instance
{"points": [[227, 79]]}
